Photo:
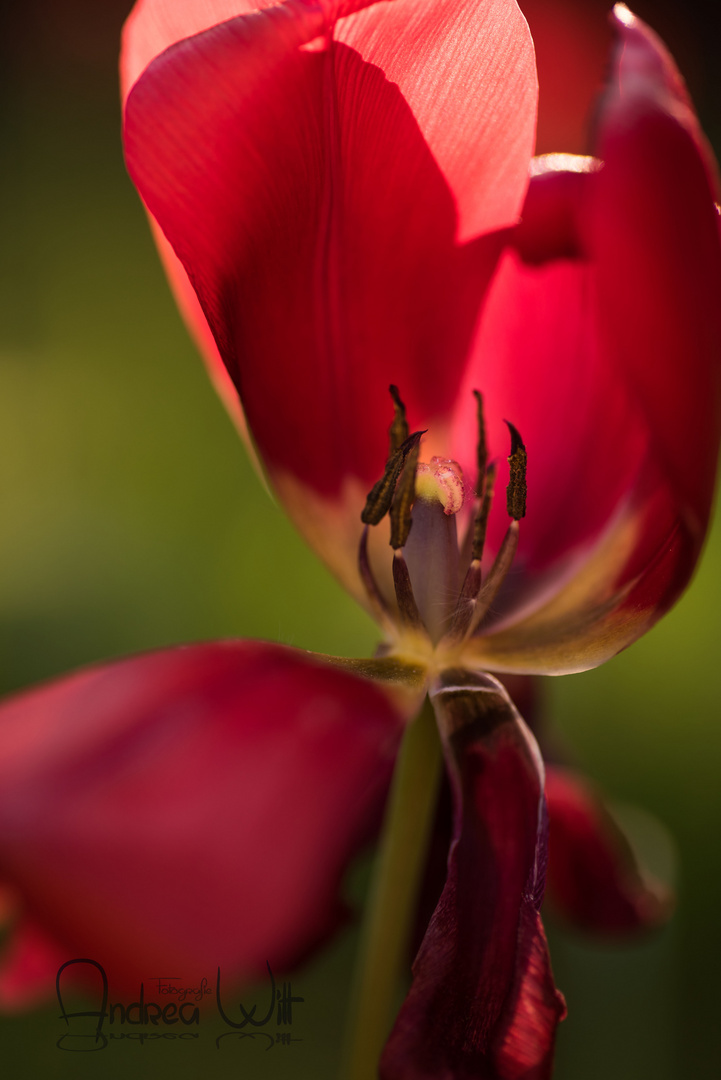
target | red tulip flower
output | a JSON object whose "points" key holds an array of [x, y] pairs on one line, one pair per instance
{"points": [[345, 199]]}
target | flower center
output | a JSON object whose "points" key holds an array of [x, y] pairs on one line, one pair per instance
{"points": [[440, 592]]}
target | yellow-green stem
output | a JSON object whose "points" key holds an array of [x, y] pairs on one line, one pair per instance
{"points": [[390, 910]]}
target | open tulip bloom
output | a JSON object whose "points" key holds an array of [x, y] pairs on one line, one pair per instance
{"points": [[345, 200]]}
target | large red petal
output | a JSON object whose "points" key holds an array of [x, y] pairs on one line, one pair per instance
{"points": [[317, 199], [482, 1003], [191, 808]]}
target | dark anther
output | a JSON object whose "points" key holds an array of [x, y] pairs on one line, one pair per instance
{"points": [[403, 500], [381, 495], [407, 607], [371, 586], [481, 449], [480, 522], [398, 431], [516, 490]]}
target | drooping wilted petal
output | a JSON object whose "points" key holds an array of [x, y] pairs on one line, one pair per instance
{"points": [[482, 1003], [192, 808], [319, 200], [593, 880]]}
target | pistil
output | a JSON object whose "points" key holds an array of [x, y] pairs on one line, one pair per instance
{"points": [[432, 547]]}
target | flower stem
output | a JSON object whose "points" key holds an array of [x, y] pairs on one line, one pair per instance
{"points": [[390, 909]]}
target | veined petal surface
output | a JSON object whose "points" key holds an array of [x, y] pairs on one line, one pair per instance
{"points": [[192, 808]]}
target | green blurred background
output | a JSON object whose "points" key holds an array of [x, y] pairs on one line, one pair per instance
{"points": [[131, 519]]}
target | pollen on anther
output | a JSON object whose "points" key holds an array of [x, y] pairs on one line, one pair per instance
{"points": [[516, 489]]}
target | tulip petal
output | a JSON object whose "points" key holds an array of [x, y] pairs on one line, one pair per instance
{"points": [[482, 1002], [653, 231], [593, 880], [318, 200], [613, 375], [548, 374], [194, 807], [154, 25]]}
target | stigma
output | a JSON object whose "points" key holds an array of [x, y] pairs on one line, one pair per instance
{"points": [[441, 481], [442, 598]]}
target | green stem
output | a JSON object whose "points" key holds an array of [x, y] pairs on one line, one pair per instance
{"points": [[390, 909]]}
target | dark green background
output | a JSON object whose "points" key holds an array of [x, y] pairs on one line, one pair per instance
{"points": [[132, 519]]}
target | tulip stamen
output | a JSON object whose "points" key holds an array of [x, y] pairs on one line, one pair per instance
{"points": [[481, 446], [516, 490], [399, 431], [377, 600], [395, 492], [407, 606], [476, 598], [380, 497], [403, 499], [466, 604], [494, 580], [480, 522], [475, 536]]}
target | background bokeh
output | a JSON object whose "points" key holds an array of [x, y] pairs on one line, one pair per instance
{"points": [[131, 519]]}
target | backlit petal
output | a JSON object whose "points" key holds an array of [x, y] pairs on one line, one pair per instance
{"points": [[319, 200], [192, 808]]}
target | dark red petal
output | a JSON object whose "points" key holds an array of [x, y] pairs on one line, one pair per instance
{"points": [[318, 200], [572, 40], [192, 808], [653, 232], [482, 1003], [593, 879]]}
